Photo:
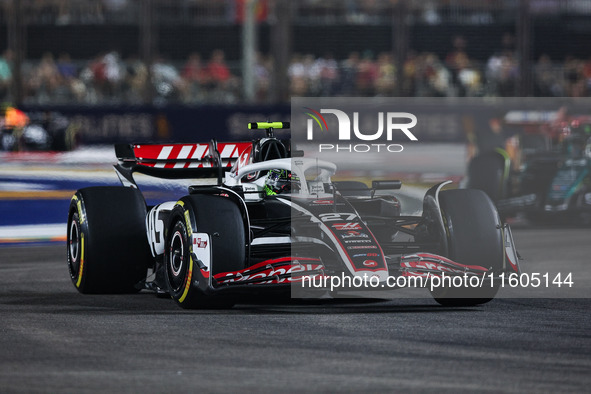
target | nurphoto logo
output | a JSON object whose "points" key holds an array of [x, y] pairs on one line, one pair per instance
{"points": [[388, 125]]}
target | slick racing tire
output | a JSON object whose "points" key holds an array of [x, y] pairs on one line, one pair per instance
{"points": [[474, 237], [486, 172], [107, 246], [64, 140], [221, 219]]}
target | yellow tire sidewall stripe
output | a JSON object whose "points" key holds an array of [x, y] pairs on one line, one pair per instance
{"points": [[190, 246], [188, 282], [81, 269]]}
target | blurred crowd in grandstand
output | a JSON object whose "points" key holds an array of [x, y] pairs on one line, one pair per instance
{"points": [[110, 79]]}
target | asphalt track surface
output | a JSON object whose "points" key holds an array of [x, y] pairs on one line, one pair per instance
{"points": [[55, 340]]}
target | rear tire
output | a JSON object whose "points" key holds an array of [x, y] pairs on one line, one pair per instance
{"points": [[107, 246], [64, 140], [221, 219], [474, 237]]}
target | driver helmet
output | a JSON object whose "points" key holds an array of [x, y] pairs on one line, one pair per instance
{"points": [[280, 181]]}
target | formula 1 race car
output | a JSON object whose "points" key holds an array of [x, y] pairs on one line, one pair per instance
{"points": [[36, 131], [273, 219], [548, 178]]}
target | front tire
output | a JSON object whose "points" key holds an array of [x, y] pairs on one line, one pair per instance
{"points": [[474, 237], [220, 218], [486, 172]]}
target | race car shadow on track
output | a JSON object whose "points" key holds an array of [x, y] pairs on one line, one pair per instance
{"points": [[147, 304], [342, 308]]}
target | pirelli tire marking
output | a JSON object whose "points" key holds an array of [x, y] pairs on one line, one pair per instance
{"points": [[80, 212]]}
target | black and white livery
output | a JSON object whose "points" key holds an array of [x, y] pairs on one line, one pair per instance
{"points": [[235, 237]]}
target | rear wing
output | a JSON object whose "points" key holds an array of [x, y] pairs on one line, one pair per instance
{"points": [[179, 161]]}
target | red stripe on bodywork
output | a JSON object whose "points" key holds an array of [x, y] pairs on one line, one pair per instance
{"points": [[147, 154], [513, 265], [306, 264]]}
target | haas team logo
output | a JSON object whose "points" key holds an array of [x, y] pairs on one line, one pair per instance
{"points": [[346, 226], [200, 243]]}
